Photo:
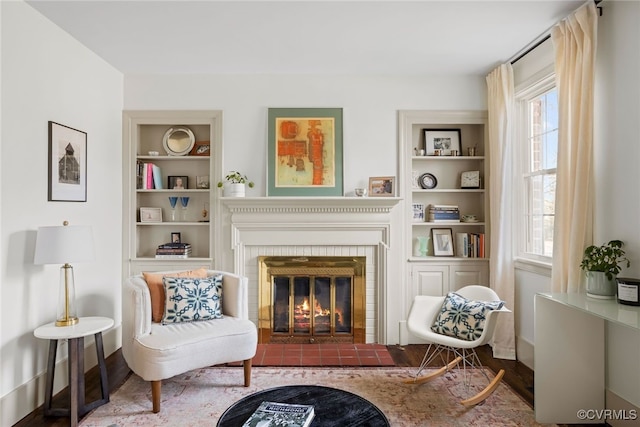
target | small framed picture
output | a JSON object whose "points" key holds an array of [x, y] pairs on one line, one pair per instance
{"points": [[202, 181], [418, 212], [150, 215], [382, 186], [175, 237], [200, 148], [441, 141], [442, 241], [178, 183]]}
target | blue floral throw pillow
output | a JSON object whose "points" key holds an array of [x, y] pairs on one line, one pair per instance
{"points": [[192, 299], [463, 318]]}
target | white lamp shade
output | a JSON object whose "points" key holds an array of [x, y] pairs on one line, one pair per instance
{"points": [[64, 244]]}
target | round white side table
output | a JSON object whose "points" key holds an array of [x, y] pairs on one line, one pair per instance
{"points": [[75, 335]]}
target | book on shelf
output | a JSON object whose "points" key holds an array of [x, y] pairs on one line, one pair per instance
{"points": [[470, 245], [462, 245], [443, 213], [173, 251], [148, 176], [281, 414], [172, 256], [157, 176], [174, 245], [444, 207], [139, 170]]}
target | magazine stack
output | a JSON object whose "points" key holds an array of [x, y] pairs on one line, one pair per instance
{"points": [[443, 213], [173, 251], [281, 414]]}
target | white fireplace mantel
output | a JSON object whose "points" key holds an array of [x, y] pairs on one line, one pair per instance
{"points": [[309, 226], [310, 204]]}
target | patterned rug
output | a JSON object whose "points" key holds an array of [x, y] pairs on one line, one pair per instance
{"points": [[199, 397]]}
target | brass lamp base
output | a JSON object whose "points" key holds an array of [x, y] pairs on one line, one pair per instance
{"points": [[67, 322]]}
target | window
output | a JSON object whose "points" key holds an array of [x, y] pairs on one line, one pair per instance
{"points": [[538, 152]]}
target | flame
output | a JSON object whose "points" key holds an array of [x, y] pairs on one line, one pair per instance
{"points": [[303, 309]]}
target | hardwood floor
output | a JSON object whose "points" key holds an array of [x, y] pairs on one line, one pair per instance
{"points": [[517, 376]]}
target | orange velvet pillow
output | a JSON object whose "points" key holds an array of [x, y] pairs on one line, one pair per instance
{"points": [[156, 288]]}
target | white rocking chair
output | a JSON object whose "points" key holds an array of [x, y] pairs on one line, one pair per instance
{"points": [[423, 314]]}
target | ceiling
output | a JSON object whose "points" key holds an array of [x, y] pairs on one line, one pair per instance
{"points": [[421, 37]]}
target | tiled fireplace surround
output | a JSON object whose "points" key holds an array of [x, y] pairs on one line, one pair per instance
{"points": [[346, 226]]}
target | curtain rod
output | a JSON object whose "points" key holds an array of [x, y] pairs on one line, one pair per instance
{"points": [[547, 37]]}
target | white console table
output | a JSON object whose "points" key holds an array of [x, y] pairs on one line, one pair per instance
{"points": [[569, 354]]}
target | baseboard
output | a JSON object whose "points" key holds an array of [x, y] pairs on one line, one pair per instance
{"points": [[23, 400], [525, 351], [623, 413]]}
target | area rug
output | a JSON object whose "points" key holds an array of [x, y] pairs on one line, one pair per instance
{"points": [[199, 397]]}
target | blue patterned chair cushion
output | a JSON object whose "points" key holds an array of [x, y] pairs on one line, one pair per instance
{"points": [[192, 299], [463, 318]]}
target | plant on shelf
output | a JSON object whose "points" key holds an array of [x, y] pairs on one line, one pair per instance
{"points": [[606, 258], [602, 264], [235, 184], [235, 177]]}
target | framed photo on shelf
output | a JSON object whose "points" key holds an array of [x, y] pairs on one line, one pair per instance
{"points": [[67, 164], [150, 214], [442, 241], [444, 140], [304, 153], [202, 181], [382, 186], [178, 183], [175, 237], [200, 148]]}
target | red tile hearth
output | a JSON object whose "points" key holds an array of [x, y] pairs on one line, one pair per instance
{"points": [[326, 354]]}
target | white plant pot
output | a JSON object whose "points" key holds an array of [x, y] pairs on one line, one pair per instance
{"points": [[599, 286], [234, 190]]}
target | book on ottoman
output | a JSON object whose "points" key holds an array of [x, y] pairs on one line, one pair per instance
{"points": [[275, 414]]}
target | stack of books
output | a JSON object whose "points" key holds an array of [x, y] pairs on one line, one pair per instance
{"points": [[281, 414], [443, 213], [470, 245], [148, 176], [173, 251]]}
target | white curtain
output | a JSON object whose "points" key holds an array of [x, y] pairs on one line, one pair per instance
{"points": [[501, 109], [574, 42]]}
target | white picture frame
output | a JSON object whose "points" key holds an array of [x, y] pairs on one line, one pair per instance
{"points": [[442, 241], [443, 140], [150, 215]]}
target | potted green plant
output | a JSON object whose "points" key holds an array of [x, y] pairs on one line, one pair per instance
{"points": [[601, 265], [234, 184]]}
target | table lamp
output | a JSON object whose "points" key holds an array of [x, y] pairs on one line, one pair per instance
{"points": [[62, 245]]}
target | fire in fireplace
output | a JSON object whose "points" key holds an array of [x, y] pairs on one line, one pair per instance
{"points": [[311, 299]]}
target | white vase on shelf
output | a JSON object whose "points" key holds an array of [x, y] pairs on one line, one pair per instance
{"points": [[234, 189]]}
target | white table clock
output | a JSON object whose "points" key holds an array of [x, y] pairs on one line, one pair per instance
{"points": [[470, 179]]}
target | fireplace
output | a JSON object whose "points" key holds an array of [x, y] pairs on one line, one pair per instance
{"points": [[311, 299]]}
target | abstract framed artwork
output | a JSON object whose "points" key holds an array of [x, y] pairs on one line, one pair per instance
{"points": [[304, 156], [67, 164]]}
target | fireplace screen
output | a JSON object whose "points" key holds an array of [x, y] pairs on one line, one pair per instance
{"points": [[313, 303]]}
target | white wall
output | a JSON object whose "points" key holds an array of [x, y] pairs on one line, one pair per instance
{"points": [[616, 155], [47, 75]]}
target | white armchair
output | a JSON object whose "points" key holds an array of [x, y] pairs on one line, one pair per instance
{"points": [[155, 351]]}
